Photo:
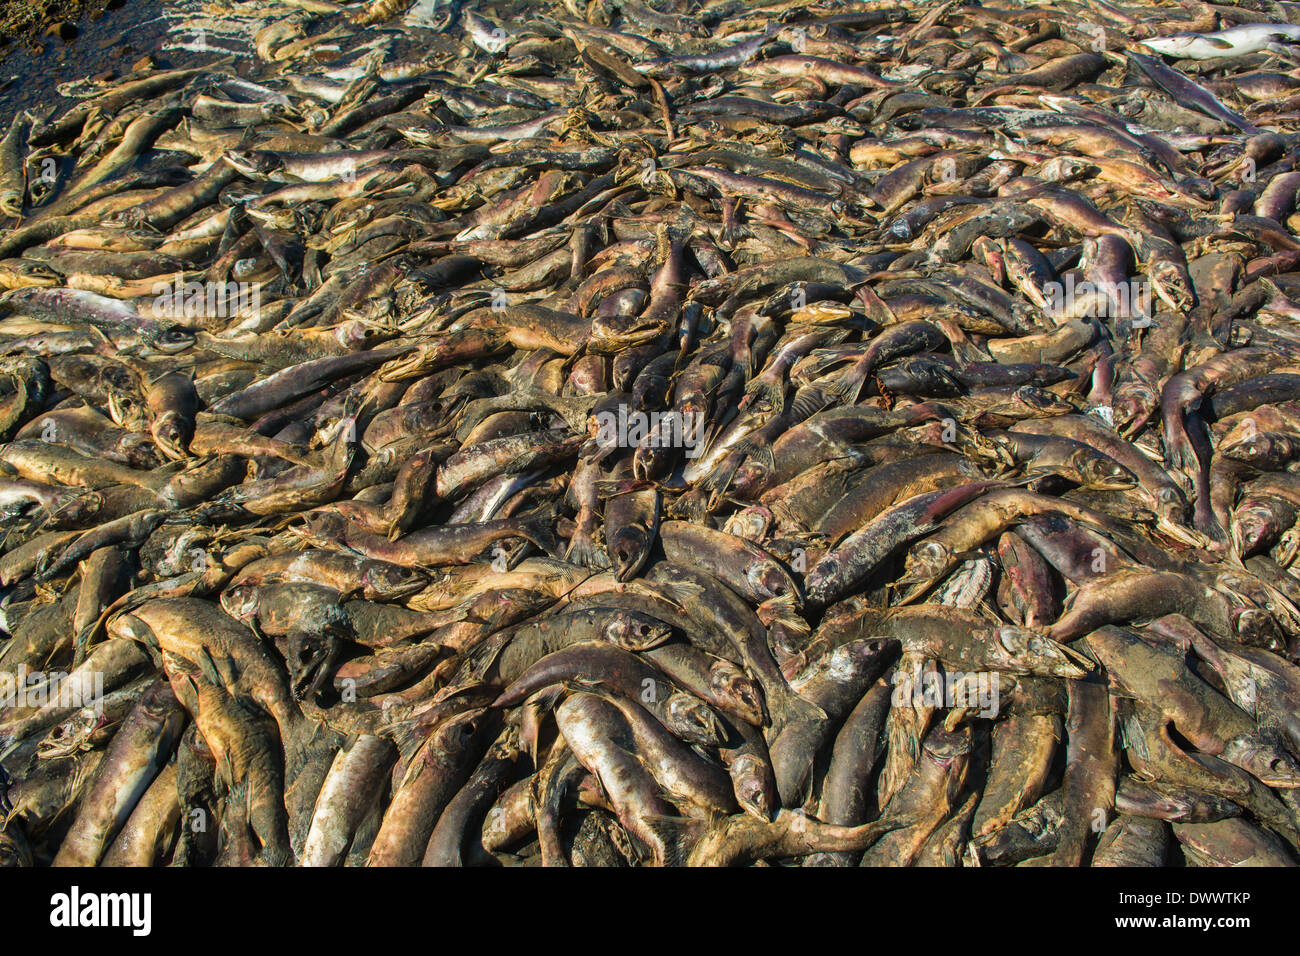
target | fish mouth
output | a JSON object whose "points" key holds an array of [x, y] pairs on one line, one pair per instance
{"points": [[1180, 533], [171, 442], [1112, 484], [909, 589], [619, 339], [1042, 655], [172, 340], [1277, 781], [312, 659], [752, 794], [628, 554]]}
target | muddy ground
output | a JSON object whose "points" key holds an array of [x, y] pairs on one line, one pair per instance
{"points": [[25, 23], [44, 43]]}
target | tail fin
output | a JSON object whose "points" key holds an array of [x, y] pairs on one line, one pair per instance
{"points": [[538, 527], [675, 836], [587, 553]]}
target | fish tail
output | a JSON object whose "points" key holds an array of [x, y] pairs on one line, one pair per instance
{"points": [[586, 552], [692, 506], [846, 390], [539, 529], [717, 483], [765, 392], [675, 837]]}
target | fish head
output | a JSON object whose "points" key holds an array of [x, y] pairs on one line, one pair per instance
{"points": [[628, 549], [755, 790], [926, 561], [171, 340], [749, 479], [634, 631], [1027, 651], [241, 601], [311, 659], [693, 720], [392, 582], [900, 228], [945, 747], [70, 736], [1198, 186], [1172, 46], [770, 580], [617, 332], [1257, 627], [1171, 511], [1066, 169], [35, 274], [751, 523], [1263, 759], [358, 334], [741, 692], [1256, 448], [253, 163], [1254, 528], [1042, 401], [172, 436], [76, 509], [1104, 474], [458, 732], [130, 626], [1133, 406]]}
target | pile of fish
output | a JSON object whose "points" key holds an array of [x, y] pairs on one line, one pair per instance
{"points": [[608, 433]]}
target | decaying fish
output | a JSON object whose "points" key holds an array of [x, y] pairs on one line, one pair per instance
{"points": [[657, 434]]}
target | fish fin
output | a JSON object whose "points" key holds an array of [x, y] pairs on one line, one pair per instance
{"points": [[915, 587], [783, 610], [680, 592], [538, 528], [762, 392], [587, 553], [208, 667], [1132, 738], [483, 655], [692, 506], [846, 390], [677, 835], [807, 402]]}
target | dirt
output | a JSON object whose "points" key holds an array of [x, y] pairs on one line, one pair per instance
{"points": [[44, 43], [31, 22]]}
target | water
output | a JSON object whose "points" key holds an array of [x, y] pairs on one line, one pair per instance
{"points": [[113, 41]]}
